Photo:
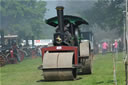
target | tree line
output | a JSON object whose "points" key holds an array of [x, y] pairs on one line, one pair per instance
{"points": [[26, 18], [22, 17], [108, 14]]}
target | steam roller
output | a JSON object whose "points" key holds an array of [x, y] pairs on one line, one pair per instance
{"points": [[71, 50]]}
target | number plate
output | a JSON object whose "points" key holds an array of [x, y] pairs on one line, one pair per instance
{"points": [[58, 47]]}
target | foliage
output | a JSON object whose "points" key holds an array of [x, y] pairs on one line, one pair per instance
{"points": [[24, 18], [107, 14]]}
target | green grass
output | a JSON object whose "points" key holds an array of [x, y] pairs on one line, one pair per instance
{"points": [[26, 73]]}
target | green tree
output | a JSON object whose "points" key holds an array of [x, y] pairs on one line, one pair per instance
{"points": [[107, 14], [24, 18]]}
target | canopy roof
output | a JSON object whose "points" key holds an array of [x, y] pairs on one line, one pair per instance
{"points": [[67, 18]]}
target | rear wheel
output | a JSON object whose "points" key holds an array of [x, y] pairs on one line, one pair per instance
{"points": [[21, 55], [2, 60], [12, 60], [86, 65]]}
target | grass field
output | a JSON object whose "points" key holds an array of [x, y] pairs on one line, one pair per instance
{"points": [[26, 73]]}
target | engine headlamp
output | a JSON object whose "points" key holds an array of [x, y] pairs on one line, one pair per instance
{"points": [[58, 39]]}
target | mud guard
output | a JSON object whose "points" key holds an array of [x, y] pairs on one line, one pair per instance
{"points": [[84, 49]]}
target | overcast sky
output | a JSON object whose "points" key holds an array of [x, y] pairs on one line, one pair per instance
{"points": [[51, 5]]}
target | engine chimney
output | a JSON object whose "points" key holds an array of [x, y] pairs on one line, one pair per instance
{"points": [[59, 10]]}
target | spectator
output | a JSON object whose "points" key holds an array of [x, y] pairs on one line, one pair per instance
{"points": [[104, 47], [115, 46]]}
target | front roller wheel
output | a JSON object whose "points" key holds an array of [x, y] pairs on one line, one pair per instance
{"points": [[59, 66], [59, 74]]}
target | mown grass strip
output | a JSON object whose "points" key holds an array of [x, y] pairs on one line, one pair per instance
{"points": [[26, 73]]}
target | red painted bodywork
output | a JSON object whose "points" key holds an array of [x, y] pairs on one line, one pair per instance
{"points": [[62, 48]]}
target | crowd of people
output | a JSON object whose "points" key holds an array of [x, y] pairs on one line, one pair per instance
{"points": [[114, 47], [109, 46]]}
